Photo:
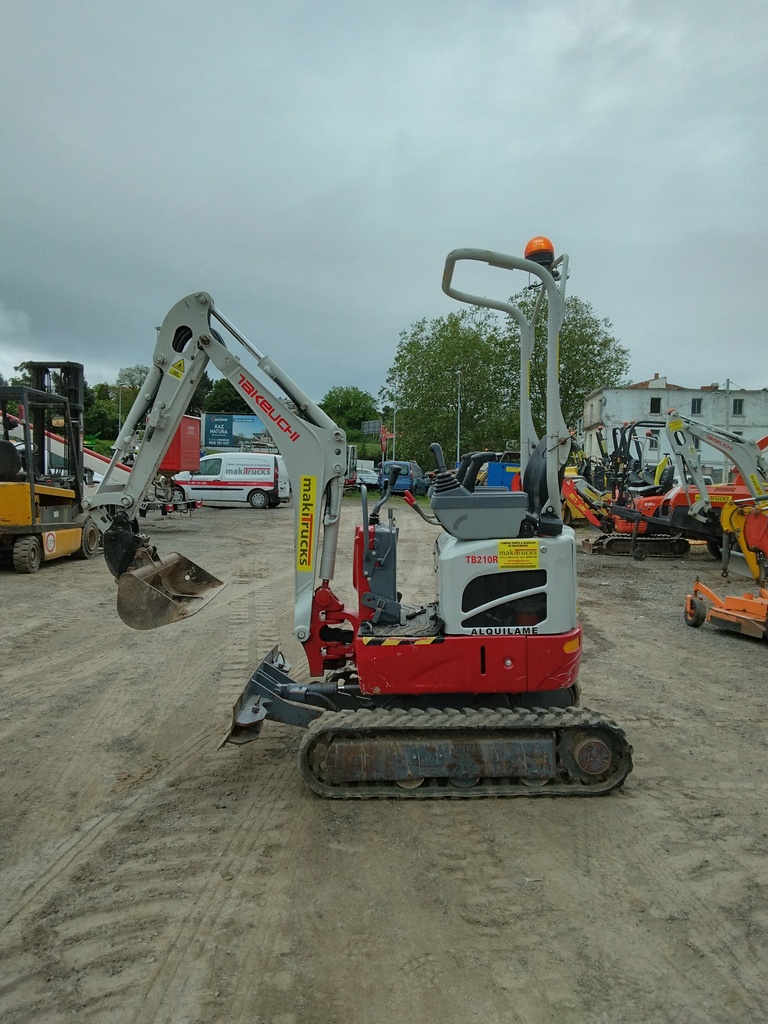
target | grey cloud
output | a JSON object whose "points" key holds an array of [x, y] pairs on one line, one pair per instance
{"points": [[311, 164]]}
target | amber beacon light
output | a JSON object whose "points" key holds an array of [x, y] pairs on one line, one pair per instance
{"points": [[540, 250]]}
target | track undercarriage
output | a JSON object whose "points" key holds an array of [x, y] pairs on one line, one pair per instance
{"points": [[639, 547], [433, 753], [357, 749]]}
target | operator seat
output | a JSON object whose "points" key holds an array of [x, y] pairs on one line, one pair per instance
{"points": [[660, 487], [666, 478], [10, 461], [535, 487]]}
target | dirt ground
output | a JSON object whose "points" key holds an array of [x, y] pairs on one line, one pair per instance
{"points": [[147, 877]]}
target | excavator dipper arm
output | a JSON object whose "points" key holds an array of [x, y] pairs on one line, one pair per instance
{"points": [[744, 453], [153, 591], [752, 467]]}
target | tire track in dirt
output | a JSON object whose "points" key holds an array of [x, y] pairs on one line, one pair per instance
{"points": [[263, 832], [92, 701], [618, 872], [686, 875], [497, 887], [26, 892], [44, 882], [98, 941], [681, 912], [511, 895], [266, 836]]}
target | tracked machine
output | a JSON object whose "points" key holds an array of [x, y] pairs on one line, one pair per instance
{"points": [[736, 521], [658, 517], [634, 521], [468, 692]]}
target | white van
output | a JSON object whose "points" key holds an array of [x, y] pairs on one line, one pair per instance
{"points": [[259, 478]]}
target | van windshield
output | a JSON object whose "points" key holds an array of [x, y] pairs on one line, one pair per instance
{"points": [[208, 467]]}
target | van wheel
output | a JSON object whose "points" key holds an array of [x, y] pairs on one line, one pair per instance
{"points": [[177, 494], [258, 499], [27, 554]]}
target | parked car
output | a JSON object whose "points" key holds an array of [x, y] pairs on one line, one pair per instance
{"points": [[410, 478], [369, 477], [260, 479]]}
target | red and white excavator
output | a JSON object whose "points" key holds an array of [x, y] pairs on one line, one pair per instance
{"points": [[470, 691]]}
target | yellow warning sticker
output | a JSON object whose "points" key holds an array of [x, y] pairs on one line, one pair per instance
{"points": [[675, 425], [177, 369], [519, 554]]}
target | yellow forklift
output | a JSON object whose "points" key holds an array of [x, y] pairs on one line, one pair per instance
{"points": [[41, 470]]}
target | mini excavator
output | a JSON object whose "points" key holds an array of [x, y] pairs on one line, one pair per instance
{"points": [[741, 517], [658, 517], [468, 692]]}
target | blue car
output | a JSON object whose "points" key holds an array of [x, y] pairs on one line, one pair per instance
{"points": [[410, 478]]}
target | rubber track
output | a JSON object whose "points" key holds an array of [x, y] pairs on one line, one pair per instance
{"points": [[658, 546], [382, 721]]}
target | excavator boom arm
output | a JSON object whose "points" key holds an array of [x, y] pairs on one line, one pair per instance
{"points": [[311, 444], [744, 453], [743, 519]]}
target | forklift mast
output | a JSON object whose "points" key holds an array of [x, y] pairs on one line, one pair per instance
{"points": [[69, 383]]}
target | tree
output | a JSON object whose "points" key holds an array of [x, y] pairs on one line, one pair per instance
{"points": [[101, 410], [463, 355], [590, 357], [132, 376], [223, 398], [100, 420], [197, 401], [474, 355], [349, 407], [103, 392], [22, 377]]}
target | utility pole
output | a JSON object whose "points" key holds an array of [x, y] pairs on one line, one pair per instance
{"points": [[394, 430], [458, 418]]}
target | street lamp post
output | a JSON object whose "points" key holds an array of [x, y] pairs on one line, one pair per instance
{"points": [[394, 430], [458, 417]]}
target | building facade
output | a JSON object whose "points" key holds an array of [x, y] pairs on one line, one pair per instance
{"points": [[722, 406]]}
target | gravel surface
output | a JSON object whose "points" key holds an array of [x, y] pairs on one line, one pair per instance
{"points": [[147, 877]]}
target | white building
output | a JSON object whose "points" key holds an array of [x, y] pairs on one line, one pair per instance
{"points": [[735, 409]]}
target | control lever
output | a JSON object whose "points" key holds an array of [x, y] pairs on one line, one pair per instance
{"points": [[476, 461], [437, 455], [461, 472], [389, 483]]}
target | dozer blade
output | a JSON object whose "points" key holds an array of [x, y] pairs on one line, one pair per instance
{"points": [[165, 591]]}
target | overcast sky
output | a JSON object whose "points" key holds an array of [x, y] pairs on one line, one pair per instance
{"points": [[311, 163]]}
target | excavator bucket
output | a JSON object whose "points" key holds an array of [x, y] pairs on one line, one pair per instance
{"points": [[165, 591]]}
